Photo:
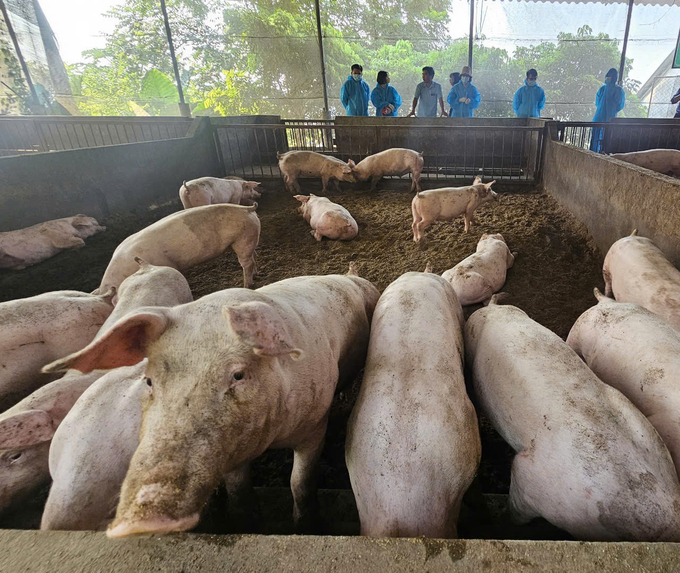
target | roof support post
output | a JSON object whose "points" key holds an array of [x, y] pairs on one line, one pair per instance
{"points": [[183, 107], [326, 112], [472, 31], [625, 41]]}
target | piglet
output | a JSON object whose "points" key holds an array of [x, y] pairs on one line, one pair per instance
{"points": [[212, 190], [294, 164], [396, 161], [636, 270], [327, 219], [26, 247], [448, 203], [481, 274]]}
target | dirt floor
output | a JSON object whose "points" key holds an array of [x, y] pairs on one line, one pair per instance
{"points": [[552, 280]]}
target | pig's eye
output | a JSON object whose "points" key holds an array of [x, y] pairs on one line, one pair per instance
{"points": [[238, 375], [15, 457], [148, 382]]}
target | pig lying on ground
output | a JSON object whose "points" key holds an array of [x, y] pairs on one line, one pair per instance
{"points": [[638, 353], [413, 445], [40, 329], [26, 247], [397, 161], [587, 459], [187, 238], [448, 203], [229, 376], [294, 164], [327, 219], [212, 190], [481, 274], [666, 161], [27, 428], [635, 270]]}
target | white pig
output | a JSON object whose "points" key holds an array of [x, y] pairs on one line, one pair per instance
{"points": [[448, 203], [91, 451], [413, 444], [25, 247], [187, 238], [294, 164], [638, 353], [229, 376], [477, 277], [40, 329], [587, 459], [27, 428], [635, 270], [396, 161], [327, 219], [212, 190], [665, 161]]}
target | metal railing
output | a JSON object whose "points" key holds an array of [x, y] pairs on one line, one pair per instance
{"points": [[20, 135], [505, 153], [620, 136]]}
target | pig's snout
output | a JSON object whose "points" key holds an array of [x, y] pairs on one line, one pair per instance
{"points": [[152, 525]]}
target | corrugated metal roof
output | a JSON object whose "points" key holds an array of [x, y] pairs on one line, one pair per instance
{"points": [[637, 2]]}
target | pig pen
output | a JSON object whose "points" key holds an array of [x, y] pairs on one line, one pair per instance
{"points": [[552, 280]]}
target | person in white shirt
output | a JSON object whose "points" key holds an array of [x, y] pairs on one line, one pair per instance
{"points": [[429, 93]]}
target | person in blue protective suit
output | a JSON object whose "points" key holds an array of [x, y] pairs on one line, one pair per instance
{"points": [[384, 97], [354, 92], [610, 100], [529, 99], [464, 97]]}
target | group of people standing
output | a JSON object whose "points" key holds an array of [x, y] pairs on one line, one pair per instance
{"points": [[463, 96]]}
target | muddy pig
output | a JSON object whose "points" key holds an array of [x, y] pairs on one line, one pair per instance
{"points": [[448, 203], [327, 219], [638, 353], [187, 238], [229, 376], [587, 459], [635, 270], [212, 190], [396, 161], [413, 397], [481, 274], [25, 247], [294, 164]]}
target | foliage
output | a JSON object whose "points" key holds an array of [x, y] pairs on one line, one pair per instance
{"points": [[261, 56]]}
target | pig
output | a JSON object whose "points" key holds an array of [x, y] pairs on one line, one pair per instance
{"points": [[294, 164], [25, 247], [327, 219], [635, 270], [481, 274], [413, 445], [27, 428], [638, 353], [91, 451], [666, 161], [396, 161], [587, 459], [38, 330], [212, 190], [187, 238], [229, 376], [448, 203]]}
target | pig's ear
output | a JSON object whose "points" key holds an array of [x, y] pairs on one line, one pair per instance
{"points": [[488, 185], [125, 344], [251, 184], [477, 180], [26, 429], [351, 163], [301, 198], [259, 324]]}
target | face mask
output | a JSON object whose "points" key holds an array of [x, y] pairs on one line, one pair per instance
{"points": [[531, 83], [465, 79], [607, 80], [357, 77]]}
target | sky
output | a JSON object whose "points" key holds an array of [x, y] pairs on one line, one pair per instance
{"points": [[654, 29]]}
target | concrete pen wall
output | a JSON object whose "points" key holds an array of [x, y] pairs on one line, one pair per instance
{"points": [[102, 180], [612, 197]]}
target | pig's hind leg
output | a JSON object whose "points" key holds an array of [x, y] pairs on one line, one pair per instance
{"points": [[245, 251], [521, 486]]}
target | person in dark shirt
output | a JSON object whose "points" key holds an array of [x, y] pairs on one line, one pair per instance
{"points": [[676, 99]]}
